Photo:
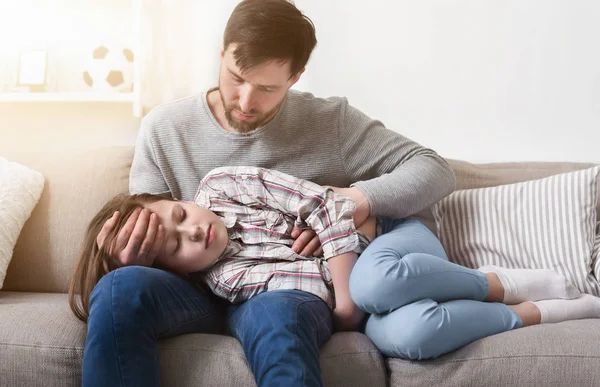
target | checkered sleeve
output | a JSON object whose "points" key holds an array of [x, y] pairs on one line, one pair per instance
{"points": [[329, 214]]}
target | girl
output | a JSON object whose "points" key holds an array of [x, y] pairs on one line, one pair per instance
{"points": [[236, 238]]}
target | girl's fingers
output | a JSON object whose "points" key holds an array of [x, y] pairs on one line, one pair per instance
{"points": [[108, 226]]}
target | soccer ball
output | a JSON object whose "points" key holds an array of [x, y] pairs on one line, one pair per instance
{"points": [[110, 69]]}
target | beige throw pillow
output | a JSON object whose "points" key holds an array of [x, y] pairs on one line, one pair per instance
{"points": [[547, 223], [20, 190]]}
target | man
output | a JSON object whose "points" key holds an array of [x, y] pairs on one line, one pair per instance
{"points": [[252, 118]]}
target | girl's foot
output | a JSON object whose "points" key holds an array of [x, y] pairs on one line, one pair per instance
{"points": [[531, 285], [554, 311]]}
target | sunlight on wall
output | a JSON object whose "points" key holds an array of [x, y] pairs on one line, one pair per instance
{"points": [[68, 30], [27, 23]]}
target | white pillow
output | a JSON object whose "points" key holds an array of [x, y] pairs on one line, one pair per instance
{"points": [[20, 191], [547, 223]]}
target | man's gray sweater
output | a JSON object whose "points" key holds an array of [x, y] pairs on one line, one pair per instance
{"points": [[326, 141]]}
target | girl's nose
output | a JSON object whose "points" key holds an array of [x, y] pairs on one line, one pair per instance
{"points": [[194, 232]]}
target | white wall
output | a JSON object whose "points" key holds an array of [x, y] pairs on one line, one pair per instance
{"points": [[66, 125], [481, 80]]}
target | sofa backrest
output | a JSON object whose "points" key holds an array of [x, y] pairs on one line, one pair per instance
{"points": [[469, 175], [80, 181]]}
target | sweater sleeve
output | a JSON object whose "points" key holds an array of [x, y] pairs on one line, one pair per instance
{"points": [[145, 175], [398, 176]]}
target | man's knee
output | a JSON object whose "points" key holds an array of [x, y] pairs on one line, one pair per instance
{"points": [[126, 291], [130, 279]]}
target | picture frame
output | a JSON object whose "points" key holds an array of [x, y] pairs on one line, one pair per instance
{"points": [[33, 69]]}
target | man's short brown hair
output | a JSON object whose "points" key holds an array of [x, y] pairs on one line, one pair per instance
{"points": [[265, 30]]}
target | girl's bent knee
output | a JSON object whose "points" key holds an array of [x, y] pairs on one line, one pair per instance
{"points": [[414, 344], [363, 290], [411, 332], [374, 287]]}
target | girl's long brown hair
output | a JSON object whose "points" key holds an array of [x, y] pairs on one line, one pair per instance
{"points": [[91, 263]]}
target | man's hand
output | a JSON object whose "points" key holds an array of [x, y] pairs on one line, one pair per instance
{"points": [[138, 242], [307, 243], [363, 208]]}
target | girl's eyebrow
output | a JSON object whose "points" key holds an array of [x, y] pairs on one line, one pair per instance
{"points": [[173, 213]]}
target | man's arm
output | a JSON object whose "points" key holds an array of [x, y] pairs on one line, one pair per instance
{"points": [[398, 176], [145, 175]]}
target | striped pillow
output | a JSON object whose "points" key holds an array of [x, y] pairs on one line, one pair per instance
{"points": [[596, 254], [548, 223]]}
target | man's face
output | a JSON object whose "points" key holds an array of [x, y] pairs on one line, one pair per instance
{"points": [[251, 99]]}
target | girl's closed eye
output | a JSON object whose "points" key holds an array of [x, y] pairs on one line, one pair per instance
{"points": [[183, 214], [177, 245], [179, 213]]}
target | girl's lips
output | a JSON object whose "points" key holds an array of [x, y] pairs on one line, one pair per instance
{"points": [[210, 236]]}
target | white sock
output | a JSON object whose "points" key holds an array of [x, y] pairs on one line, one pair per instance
{"points": [[553, 311], [532, 284]]}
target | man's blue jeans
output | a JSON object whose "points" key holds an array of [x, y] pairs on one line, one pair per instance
{"points": [[133, 307], [422, 306]]}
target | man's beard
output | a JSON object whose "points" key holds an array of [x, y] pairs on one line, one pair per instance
{"points": [[247, 127]]}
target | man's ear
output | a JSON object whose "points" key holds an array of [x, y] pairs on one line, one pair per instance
{"points": [[296, 77], [222, 53]]}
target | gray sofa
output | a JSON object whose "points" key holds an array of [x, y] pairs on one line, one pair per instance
{"points": [[41, 342]]}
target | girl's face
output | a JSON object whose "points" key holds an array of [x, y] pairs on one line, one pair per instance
{"points": [[194, 236]]}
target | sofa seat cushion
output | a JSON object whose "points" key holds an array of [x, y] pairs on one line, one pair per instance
{"points": [[41, 344], [564, 354]]}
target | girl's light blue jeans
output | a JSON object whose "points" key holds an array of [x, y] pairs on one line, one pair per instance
{"points": [[422, 306]]}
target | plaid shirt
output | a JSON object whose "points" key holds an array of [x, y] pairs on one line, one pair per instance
{"points": [[260, 207]]}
